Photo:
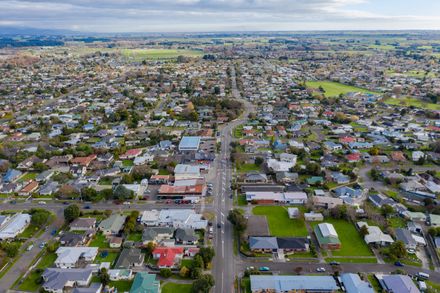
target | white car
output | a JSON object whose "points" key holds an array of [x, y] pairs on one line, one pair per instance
{"points": [[127, 203], [320, 270], [41, 202]]}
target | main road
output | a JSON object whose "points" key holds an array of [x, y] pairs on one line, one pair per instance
{"points": [[224, 263]]}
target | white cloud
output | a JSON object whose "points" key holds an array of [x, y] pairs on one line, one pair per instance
{"points": [[203, 15]]}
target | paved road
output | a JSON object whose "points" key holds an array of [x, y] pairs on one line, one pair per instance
{"points": [[27, 257], [224, 265]]}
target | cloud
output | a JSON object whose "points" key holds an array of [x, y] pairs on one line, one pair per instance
{"points": [[203, 15]]}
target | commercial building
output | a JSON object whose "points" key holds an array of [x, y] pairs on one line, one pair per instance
{"points": [[277, 283]]}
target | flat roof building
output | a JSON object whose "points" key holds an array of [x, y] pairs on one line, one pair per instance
{"points": [[261, 283], [189, 143]]}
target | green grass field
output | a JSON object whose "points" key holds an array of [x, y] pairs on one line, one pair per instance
{"points": [[122, 286], [333, 89], [244, 168], [100, 241], [158, 54], [352, 259], [407, 102], [111, 257], [137, 237], [351, 240], [174, 287], [27, 177], [279, 223]]}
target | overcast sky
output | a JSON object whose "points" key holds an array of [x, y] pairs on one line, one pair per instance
{"points": [[220, 15]]}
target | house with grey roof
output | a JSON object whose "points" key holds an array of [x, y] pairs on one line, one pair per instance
{"points": [[129, 258], [56, 280], [278, 283], [185, 236], [157, 234], [406, 237], [112, 225], [398, 283], [353, 284]]}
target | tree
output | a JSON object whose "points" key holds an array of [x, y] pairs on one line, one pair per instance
{"points": [[11, 248], [122, 193], [203, 284], [238, 220], [259, 161], [89, 194], [298, 270], [363, 231], [386, 210], [104, 277], [184, 272], [39, 218], [195, 273], [207, 254], [71, 213], [397, 250], [374, 151], [198, 262], [166, 273]]}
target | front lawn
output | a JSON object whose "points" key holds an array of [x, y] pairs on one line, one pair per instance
{"points": [[244, 168], [27, 177], [29, 231], [174, 287], [186, 263], [351, 241], [352, 259], [279, 223], [99, 240]]}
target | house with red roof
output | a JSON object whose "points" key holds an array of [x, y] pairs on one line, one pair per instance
{"points": [[83, 161], [131, 154], [168, 257], [354, 157], [347, 139]]}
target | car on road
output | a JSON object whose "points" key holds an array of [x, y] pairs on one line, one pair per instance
{"points": [[399, 264], [320, 270], [264, 269], [42, 202], [334, 263], [250, 268], [219, 225], [87, 207], [54, 232], [30, 247], [42, 244], [65, 203], [13, 202], [127, 203]]}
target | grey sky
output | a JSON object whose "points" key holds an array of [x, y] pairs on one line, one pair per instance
{"points": [[219, 15]]}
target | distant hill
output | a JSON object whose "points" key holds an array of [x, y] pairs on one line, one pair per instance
{"points": [[11, 30]]}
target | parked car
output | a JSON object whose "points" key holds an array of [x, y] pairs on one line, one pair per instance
{"points": [[320, 270], [87, 207], [264, 269], [398, 264], [219, 225], [30, 247], [42, 202], [334, 263]]}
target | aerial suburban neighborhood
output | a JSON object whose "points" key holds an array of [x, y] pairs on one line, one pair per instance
{"points": [[287, 162]]}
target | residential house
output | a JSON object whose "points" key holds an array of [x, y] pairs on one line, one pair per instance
{"points": [[57, 280], [353, 284], [83, 224], [12, 226], [327, 236], [398, 283], [68, 257], [375, 235], [185, 236], [112, 225], [255, 177], [168, 257], [279, 283], [278, 244], [145, 283], [406, 237], [326, 202], [157, 234], [129, 258]]}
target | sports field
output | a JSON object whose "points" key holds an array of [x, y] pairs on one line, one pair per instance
{"points": [[413, 102], [333, 89], [158, 54]]}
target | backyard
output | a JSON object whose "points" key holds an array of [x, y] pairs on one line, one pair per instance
{"points": [[279, 222], [100, 241]]}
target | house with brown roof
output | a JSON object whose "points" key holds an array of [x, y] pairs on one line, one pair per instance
{"points": [[83, 224], [398, 156], [29, 188], [83, 161]]}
